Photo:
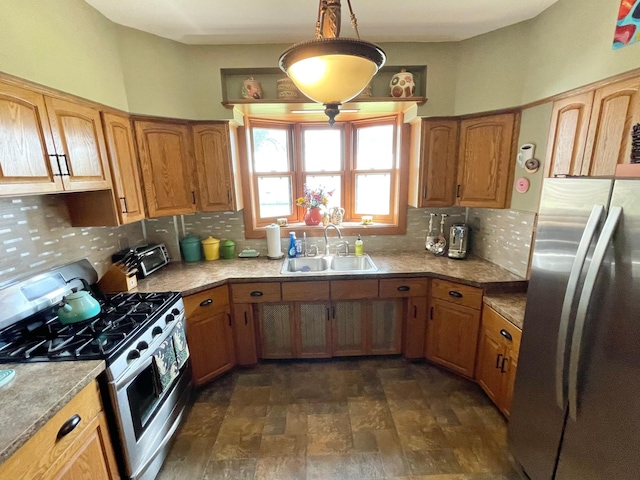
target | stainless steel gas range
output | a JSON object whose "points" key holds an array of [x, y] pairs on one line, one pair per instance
{"points": [[140, 336]]}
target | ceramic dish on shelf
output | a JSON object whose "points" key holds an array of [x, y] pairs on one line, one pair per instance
{"points": [[249, 253]]}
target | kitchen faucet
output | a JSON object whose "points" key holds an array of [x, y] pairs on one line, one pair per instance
{"points": [[326, 240]]}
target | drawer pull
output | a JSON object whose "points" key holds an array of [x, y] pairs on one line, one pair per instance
{"points": [[453, 293], [68, 426], [415, 311], [404, 288], [206, 302], [229, 318], [256, 293], [506, 334], [246, 319]]}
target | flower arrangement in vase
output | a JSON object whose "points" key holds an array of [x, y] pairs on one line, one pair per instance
{"points": [[314, 201]]}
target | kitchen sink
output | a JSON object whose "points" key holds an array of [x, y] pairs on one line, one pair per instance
{"points": [[329, 264]]}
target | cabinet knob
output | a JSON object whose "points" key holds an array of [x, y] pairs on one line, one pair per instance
{"points": [[256, 293], [506, 334], [69, 426], [404, 288], [206, 302], [455, 294]]}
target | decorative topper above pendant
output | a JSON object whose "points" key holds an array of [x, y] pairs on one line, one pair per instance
{"points": [[332, 70]]}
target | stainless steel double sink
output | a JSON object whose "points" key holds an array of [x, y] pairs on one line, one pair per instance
{"points": [[329, 264]]}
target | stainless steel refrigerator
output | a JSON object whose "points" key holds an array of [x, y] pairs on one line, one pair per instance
{"points": [[576, 408]]}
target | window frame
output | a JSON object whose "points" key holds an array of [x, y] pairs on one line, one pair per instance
{"points": [[392, 224]]}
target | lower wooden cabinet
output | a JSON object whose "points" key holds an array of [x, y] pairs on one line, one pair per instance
{"points": [[244, 334], [453, 325], [415, 327], [386, 327], [348, 335], [85, 452], [312, 329], [275, 322], [498, 358], [210, 334]]}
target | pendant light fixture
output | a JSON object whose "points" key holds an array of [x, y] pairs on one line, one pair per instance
{"points": [[332, 70]]}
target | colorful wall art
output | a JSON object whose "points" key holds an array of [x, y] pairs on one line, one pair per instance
{"points": [[628, 26]]}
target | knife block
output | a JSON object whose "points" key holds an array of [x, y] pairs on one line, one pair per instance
{"points": [[116, 280]]}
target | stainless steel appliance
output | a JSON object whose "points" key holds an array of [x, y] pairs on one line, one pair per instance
{"points": [[130, 328], [575, 413], [146, 258], [458, 240]]}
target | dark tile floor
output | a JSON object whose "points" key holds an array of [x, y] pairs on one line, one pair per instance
{"points": [[365, 419]]}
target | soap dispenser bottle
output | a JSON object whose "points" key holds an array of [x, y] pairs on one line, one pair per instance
{"points": [[291, 251], [359, 247]]}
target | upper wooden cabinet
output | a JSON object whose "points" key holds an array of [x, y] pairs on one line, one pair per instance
{"points": [[485, 168], [79, 142], [433, 161], [124, 167], [590, 133], [216, 154], [49, 144], [166, 163]]}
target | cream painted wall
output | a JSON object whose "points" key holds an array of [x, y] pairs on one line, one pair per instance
{"points": [[534, 128], [567, 46], [64, 44]]}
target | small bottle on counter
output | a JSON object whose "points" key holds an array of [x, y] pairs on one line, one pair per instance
{"points": [[291, 251], [359, 247]]}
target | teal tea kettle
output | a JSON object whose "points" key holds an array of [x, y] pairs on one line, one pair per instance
{"points": [[78, 307]]}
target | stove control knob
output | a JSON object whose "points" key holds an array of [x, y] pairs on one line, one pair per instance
{"points": [[169, 318], [175, 311], [133, 355], [156, 331], [142, 346]]}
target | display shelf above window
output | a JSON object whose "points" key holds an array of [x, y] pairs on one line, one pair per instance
{"points": [[270, 106]]}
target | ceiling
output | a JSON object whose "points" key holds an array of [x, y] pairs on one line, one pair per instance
{"points": [[219, 22]]}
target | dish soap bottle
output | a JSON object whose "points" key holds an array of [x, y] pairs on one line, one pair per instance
{"points": [[291, 251], [359, 246]]}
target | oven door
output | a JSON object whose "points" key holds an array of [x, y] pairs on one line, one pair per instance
{"points": [[145, 420]]}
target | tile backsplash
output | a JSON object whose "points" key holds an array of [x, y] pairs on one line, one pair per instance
{"points": [[35, 235], [503, 237]]}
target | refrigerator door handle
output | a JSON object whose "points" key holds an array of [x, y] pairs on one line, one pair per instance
{"points": [[569, 296], [608, 230]]}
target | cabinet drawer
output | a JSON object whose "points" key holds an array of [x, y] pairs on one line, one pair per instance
{"points": [[493, 321], [42, 450], [305, 291], [404, 287], [457, 293], [255, 292], [211, 300], [354, 289]]}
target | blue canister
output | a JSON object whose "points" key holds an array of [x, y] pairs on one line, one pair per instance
{"points": [[191, 247]]}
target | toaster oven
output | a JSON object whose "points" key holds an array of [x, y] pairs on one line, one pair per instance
{"points": [[146, 258]]}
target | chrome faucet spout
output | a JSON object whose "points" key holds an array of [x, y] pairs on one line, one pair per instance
{"points": [[326, 239]]}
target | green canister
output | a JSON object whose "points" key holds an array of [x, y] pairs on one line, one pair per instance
{"points": [[191, 247], [228, 249]]}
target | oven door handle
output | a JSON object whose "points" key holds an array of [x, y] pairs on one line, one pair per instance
{"points": [[130, 375]]}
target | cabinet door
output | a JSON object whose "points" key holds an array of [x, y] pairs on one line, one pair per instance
{"points": [[244, 334], [439, 160], [276, 330], [616, 109], [452, 336], [511, 366], [313, 329], [488, 369], [415, 327], [210, 339], [124, 167], [348, 336], [90, 455], [27, 157], [386, 327], [79, 140], [485, 166], [215, 167], [165, 160], [568, 134]]}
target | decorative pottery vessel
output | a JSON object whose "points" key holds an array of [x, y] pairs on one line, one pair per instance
{"points": [[313, 216], [337, 214], [287, 89], [402, 84], [366, 93], [251, 89]]}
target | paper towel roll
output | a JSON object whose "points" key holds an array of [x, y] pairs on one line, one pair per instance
{"points": [[274, 245]]}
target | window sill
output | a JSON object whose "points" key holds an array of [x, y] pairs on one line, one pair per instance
{"points": [[346, 228]]}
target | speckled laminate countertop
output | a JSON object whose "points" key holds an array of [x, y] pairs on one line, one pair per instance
{"points": [[510, 305], [37, 393], [190, 278]]}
